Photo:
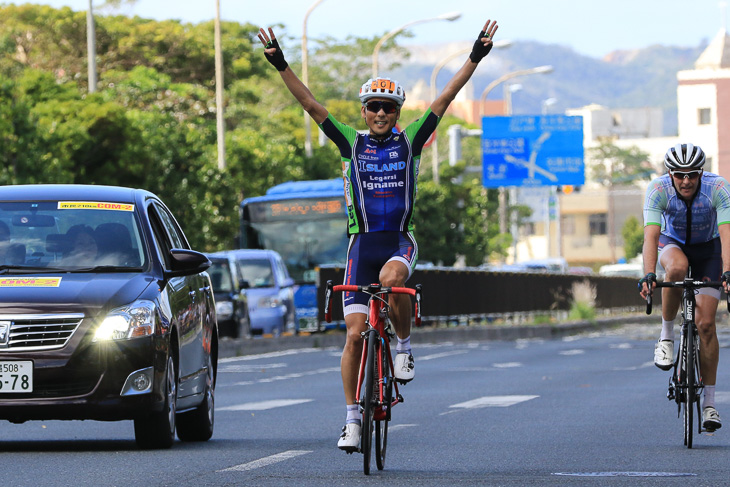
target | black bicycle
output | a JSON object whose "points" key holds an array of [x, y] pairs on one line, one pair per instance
{"points": [[685, 384]]}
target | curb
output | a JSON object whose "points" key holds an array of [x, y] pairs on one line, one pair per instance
{"points": [[251, 346]]}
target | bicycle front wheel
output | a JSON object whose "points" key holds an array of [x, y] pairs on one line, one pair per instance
{"points": [[368, 397], [690, 392], [381, 427]]}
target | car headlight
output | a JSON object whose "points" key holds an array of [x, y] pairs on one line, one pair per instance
{"points": [[269, 302], [224, 309], [131, 321]]}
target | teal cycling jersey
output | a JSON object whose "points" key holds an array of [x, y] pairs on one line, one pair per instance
{"points": [[688, 222], [380, 175]]}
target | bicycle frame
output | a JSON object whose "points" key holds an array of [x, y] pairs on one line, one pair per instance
{"points": [[685, 384], [376, 365]]}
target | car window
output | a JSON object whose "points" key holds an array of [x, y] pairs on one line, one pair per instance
{"points": [[70, 234], [257, 272], [173, 231], [162, 242], [220, 276]]}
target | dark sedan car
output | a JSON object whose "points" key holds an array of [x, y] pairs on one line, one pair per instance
{"points": [[231, 301], [105, 313]]}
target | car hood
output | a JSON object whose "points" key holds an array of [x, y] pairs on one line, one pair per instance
{"points": [[70, 293], [253, 293]]}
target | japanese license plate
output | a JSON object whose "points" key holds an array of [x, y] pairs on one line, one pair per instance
{"points": [[16, 376]]}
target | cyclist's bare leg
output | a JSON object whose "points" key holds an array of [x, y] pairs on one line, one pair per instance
{"points": [[394, 274], [675, 265], [351, 354], [709, 346]]}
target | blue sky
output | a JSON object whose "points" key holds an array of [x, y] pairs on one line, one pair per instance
{"points": [[590, 27]]}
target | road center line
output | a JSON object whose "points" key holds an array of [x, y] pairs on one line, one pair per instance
{"points": [[263, 462]]}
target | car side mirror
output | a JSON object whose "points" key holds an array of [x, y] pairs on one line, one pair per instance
{"points": [[243, 284], [288, 282], [187, 262]]}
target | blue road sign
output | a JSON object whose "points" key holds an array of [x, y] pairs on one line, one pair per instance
{"points": [[532, 150]]}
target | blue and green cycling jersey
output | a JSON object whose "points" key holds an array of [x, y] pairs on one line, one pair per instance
{"points": [[380, 175], [690, 222]]}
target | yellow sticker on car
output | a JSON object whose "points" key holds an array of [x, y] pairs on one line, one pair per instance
{"points": [[94, 205], [30, 282]]}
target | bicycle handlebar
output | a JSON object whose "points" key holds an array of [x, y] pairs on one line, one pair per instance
{"points": [[686, 284], [373, 290]]}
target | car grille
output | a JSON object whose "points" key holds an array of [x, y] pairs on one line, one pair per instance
{"points": [[37, 332]]}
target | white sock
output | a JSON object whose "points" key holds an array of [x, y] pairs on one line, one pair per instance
{"points": [[667, 330], [709, 397], [353, 415], [404, 346]]}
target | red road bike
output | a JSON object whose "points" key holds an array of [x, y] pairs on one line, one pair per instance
{"points": [[377, 390]]}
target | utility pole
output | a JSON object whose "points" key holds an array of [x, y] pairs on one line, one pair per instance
{"points": [[220, 125], [91, 47]]}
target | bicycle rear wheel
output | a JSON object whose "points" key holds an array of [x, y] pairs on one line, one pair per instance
{"points": [[381, 427], [690, 393], [368, 388]]}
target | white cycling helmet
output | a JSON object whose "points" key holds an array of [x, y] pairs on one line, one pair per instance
{"points": [[383, 88], [684, 156]]}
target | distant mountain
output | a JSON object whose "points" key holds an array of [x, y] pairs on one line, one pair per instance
{"points": [[623, 79]]}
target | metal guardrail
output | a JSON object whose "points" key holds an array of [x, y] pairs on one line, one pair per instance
{"points": [[473, 295]]}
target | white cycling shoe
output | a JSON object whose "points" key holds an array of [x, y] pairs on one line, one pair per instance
{"points": [[664, 354], [350, 438], [711, 419], [404, 366]]}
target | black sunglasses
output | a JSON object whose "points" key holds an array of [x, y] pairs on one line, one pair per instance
{"points": [[386, 106]]}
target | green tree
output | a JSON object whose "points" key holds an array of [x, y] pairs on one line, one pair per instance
{"points": [[633, 234], [613, 165]]}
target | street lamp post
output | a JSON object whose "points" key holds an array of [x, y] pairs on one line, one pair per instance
{"points": [[451, 16], [514, 74], [305, 80], [434, 74]]}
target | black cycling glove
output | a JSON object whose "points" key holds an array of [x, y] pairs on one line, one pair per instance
{"points": [[725, 276], [277, 59], [479, 51], [648, 279]]}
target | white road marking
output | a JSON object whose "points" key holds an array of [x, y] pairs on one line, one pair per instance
{"points": [[623, 346], [263, 462], [493, 402], [441, 355], [235, 368], [507, 365], [572, 352], [282, 353], [722, 397], [642, 366], [264, 405], [396, 427], [293, 375]]}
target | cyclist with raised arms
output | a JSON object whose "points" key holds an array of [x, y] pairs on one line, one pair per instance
{"points": [[380, 171], [687, 225]]}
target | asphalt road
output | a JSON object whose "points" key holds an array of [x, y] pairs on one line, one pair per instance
{"points": [[579, 410]]}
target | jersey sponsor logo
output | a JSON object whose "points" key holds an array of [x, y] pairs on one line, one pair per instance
{"points": [[371, 151], [383, 185], [393, 155], [386, 166]]}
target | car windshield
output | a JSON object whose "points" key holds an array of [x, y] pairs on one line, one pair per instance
{"points": [[220, 276], [257, 272], [69, 235]]}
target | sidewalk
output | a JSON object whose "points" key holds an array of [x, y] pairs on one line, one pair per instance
{"points": [[235, 348]]}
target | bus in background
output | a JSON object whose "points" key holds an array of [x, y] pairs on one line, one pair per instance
{"points": [[306, 223]]}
